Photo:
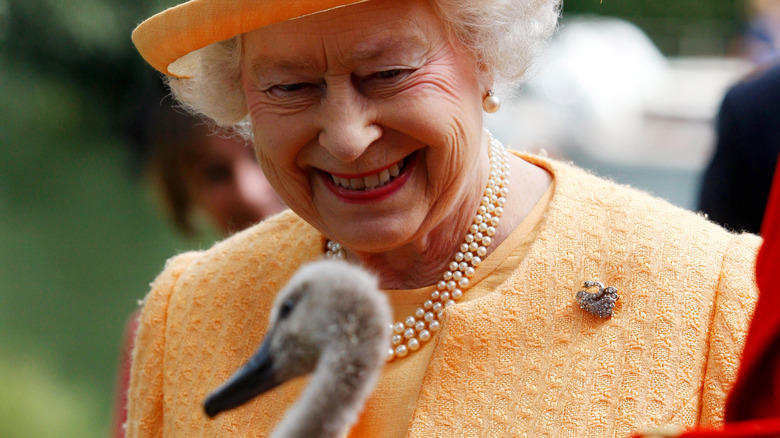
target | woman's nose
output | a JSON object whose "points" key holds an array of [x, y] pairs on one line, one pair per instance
{"points": [[347, 122]]}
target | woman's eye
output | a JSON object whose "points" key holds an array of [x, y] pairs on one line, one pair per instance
{"points": [[290, 87], [388, 74], [283, 90]]}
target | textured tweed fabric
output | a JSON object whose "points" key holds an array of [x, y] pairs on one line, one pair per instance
{"points": [[522, 360]]}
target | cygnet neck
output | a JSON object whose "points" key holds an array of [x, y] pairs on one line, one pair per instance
{"points": [[344, 377]]}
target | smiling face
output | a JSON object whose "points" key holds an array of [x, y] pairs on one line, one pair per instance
{"points": [[368, 123], [224, 181]]}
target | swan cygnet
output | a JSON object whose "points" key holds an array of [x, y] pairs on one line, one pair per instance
{"points": [[330, 320]]}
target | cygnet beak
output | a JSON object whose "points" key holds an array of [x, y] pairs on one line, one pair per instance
{"points": [[251, 380]]}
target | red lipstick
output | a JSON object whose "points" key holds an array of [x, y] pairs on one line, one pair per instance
{"points": [[369, 195]]}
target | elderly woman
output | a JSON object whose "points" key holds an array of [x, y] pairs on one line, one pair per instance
{"points": [[366, 118]]}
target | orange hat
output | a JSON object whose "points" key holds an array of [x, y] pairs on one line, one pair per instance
{"points": [[192, 25]]}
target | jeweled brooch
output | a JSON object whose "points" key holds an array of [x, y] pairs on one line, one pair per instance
{"points": [[599, 303]]}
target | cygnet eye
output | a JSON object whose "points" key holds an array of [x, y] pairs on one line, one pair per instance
{"points": [[287, 308]]}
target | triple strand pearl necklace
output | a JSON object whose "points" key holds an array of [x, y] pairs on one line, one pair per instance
{"points": [[410, 334]]}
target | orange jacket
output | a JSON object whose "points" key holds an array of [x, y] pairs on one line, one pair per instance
{"points": [[524, 359]]}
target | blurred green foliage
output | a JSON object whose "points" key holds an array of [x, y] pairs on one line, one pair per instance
{"points": [[678, 28], [79, 239], [37, 403]]}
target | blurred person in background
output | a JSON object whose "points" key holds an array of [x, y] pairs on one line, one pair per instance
{"points": [[736, 183], [202, 175], [761, 41], [202, 178]]}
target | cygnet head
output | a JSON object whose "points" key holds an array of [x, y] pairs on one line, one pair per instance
{"points": [[330, 315]]}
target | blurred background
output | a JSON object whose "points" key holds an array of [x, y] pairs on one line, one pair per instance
{"points": [[628, 88]]}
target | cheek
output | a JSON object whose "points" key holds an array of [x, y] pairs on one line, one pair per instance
{"points": [[278, 139], [291, 183], [215, 205], [281, 172], [447, 118], [443, 105], [213, 196]]}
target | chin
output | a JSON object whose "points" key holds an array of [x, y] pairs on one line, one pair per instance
{"points": [[375, 236]]}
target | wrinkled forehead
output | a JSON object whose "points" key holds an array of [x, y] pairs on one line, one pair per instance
{"points": [[266, 60], [357, 33]]}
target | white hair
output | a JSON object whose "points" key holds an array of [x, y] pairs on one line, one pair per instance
{"points": [[504, 36]]}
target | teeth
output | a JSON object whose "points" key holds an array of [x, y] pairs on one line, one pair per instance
{"points": [[394, 170], [371, 181], [357, 183], [384, 176]]}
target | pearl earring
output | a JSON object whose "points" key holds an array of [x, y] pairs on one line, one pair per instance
{"points": [[491, 103]]}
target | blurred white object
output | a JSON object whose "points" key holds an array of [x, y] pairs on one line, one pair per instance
{"points": [[605, 97], [603, 89], [603, 66]]}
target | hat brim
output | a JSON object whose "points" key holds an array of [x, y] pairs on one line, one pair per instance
{"points": [[182, 29]]}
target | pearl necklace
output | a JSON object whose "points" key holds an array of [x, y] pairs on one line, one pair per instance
{"points": [[410, 334]]}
